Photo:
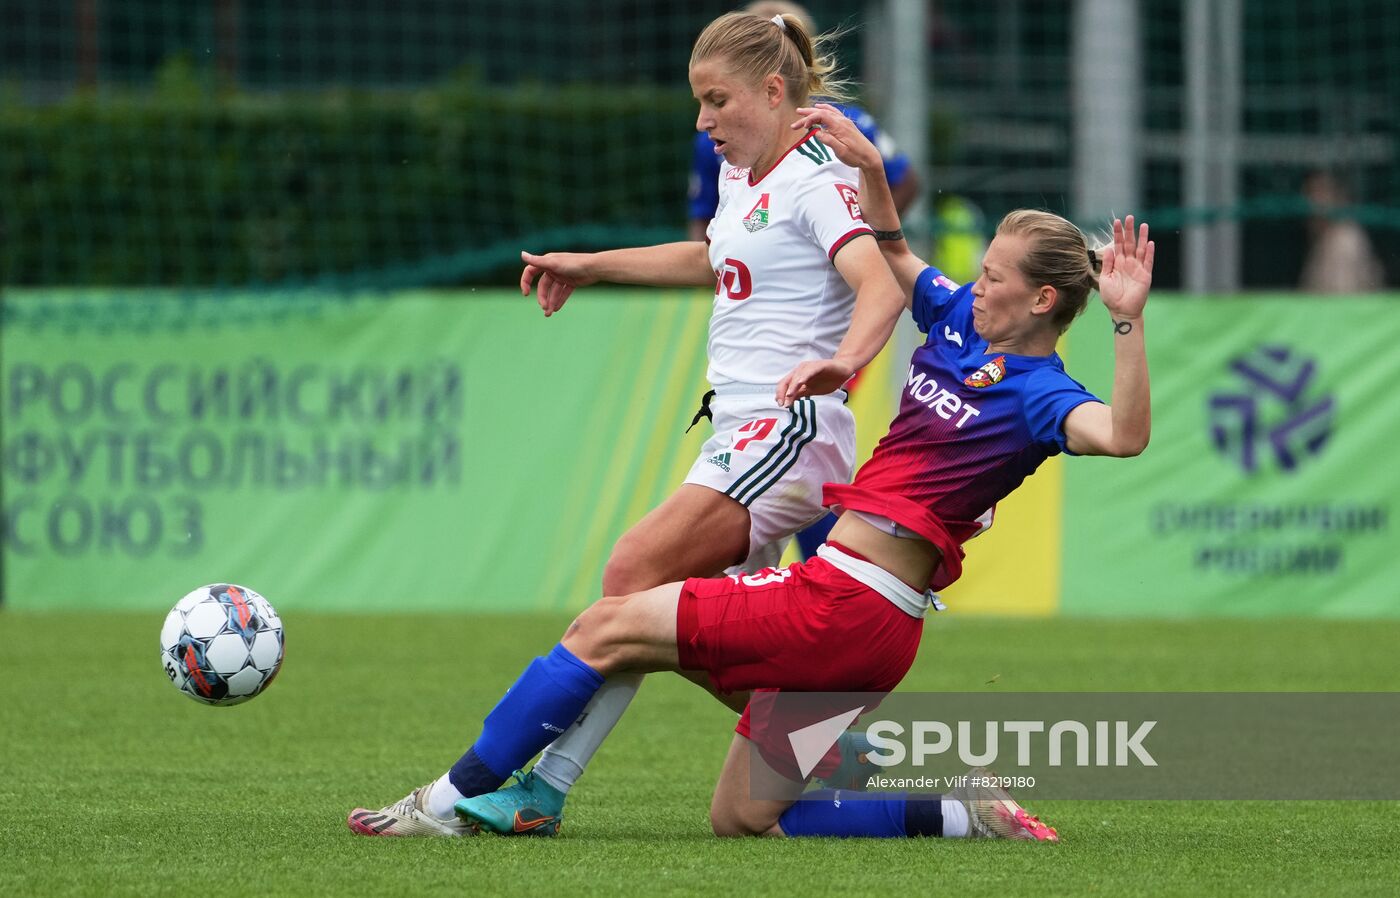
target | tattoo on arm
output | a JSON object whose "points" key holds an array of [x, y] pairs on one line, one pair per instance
{"points": [[1122, 327], [890, 236]]}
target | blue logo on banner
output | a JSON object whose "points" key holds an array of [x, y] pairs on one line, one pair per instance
{"points": [[1274, 409]]}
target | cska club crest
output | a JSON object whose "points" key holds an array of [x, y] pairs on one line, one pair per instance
{"points": [[757, 219], [988, 374]]}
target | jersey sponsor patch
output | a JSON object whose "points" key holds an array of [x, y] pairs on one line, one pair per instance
{"points": [[988, 374], [925, 390], [734, 280], [851, 199], [946, 282], [757, 219]]}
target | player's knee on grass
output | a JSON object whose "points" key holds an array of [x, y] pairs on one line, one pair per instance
{"points": [[736, 819]]}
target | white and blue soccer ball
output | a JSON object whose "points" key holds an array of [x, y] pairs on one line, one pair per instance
{"points": [[222, 644]]}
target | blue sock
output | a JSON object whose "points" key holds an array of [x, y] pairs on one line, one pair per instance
{"points": [[924, 816], [810, 539], [823, 813], [548, 697]]}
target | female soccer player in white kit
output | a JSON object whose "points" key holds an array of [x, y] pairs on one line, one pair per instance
{"points": [[797, 275]]}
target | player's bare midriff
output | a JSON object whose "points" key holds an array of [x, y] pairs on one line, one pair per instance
{"points": [[911, 560]]}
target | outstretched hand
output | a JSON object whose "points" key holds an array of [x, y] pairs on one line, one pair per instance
{"points": [[1127, 270], [840, 134], [558, 273], [812, 379]]}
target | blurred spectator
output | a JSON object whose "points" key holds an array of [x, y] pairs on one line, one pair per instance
{"points": [[958, 241], [1340, 258]]}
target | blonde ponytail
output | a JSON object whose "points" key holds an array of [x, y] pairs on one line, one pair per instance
{"points": [[756, 47]]}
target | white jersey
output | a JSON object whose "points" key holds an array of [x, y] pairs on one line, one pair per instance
{"points": [[779, 299]]}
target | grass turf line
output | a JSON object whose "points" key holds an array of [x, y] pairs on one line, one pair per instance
{"points": [[115, 785]]}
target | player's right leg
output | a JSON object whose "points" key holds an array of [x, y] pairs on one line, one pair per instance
{"points": [[695, 528], [697, 531], [626, 633]]}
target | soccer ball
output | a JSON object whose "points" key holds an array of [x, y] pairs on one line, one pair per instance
{"points": [[222, 644]]}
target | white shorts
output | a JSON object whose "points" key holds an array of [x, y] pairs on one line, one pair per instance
{"points": [[774, 461]]}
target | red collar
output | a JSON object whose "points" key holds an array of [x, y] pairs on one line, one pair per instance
{"points": [[753, 182]]}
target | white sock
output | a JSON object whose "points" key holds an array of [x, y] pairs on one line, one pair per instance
{"points": [[442, 795], [562, 763], [955, 822]]}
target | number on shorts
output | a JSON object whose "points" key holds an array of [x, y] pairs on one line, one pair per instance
{"points": [[756, 430], [764, 577]]}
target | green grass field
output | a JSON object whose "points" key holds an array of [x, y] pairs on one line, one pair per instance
{"points": [[113, 784]]}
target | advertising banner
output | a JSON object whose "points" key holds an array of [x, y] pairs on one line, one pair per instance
{"points": [[423, 451], [1270, 485], [456, 451]]}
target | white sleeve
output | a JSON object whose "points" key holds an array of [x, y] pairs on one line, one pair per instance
{"points": [[829, 209]]}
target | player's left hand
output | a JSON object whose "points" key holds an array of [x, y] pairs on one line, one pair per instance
{"points": [[1127, 270], [813, 379]]}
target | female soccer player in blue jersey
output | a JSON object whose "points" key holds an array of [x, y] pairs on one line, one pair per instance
{"points": [[986, 401]]}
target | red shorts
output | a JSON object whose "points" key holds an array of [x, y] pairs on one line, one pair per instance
{"points": [[809, 627]]}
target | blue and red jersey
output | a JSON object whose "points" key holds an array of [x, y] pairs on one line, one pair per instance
{"points": [[972, 424]]}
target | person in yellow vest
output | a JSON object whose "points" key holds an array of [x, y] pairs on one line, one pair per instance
{"points": [[959, 239]]}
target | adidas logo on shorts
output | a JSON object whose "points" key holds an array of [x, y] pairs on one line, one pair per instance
{"points": [[720, 461]]}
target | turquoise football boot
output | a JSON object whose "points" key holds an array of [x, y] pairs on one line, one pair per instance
{"points": [[855, 770], [528, 807]]}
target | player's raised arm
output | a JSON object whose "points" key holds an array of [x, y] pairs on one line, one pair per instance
{"points": [[554, 276], [879, 303], [877, 203], [1123, 427]]}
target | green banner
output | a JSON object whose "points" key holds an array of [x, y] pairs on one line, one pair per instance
{"points": [[456, 450], [416, 451], [1270, 486]]}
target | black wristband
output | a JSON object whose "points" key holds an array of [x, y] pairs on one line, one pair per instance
{"points": [[1122, 327], [890, 236]]}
